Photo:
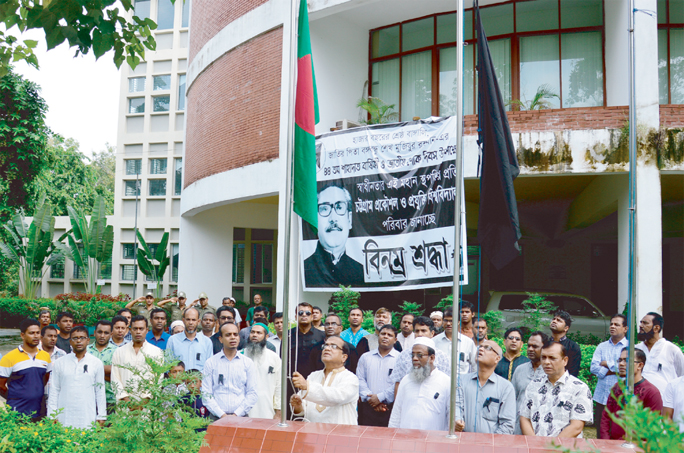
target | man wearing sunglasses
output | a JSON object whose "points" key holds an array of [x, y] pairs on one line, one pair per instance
{"points": [[302, 340], [329, 265], [329, 395], [512, 357]]}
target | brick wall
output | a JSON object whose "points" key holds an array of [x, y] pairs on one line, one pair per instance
{"points": [[672, 116], [233, 109], [211, 16], [578, 119], [560, 119]]}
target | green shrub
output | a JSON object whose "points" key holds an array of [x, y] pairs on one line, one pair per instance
{"points": [[343, 301], [20, 435], [368, 323], [87, 312], [534, 310], [494, 319]]}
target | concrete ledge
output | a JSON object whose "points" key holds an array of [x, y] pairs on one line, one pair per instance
{"points": [[250, 435]]}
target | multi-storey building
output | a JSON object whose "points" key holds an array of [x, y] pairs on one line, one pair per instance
{"points": [[572, 193], [149, 158]]}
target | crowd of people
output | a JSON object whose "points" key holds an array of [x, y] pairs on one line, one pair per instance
{"points": [[391, 378]]}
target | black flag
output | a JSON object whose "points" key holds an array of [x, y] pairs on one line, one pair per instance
{"points": [[498, 227]]}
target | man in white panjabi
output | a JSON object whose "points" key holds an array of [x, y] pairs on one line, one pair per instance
{"points": [[423, 398], [267, 368], [329, 395]]}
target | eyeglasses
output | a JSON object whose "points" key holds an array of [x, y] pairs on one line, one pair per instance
{"points": [[513, 338], [621, 360], [486, 347], [226, 318], [418, 355], [341, 208], [332, 346], [77, 339], [304, 313], [331, 324]]}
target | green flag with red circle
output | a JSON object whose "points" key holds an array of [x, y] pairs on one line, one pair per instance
{"points": [[306, 117]]}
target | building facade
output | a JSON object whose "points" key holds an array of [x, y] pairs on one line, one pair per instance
{"points": [[572, 192], [149, 159]]}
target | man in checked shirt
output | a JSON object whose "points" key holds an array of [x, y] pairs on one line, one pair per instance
{"points": [[228, 383]]}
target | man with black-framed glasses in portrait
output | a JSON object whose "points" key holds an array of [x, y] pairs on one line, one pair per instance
{"points": [[329, 265], [302, 339]]}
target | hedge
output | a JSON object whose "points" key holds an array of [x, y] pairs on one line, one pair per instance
{"points": [[86, 312]]}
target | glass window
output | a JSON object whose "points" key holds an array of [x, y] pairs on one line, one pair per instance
{"points": [[447, 81], [539, 68], [178, 176], [106, 269], [128, 272], [385, 85], [663, 82], [174, 262], [186, 15], [497, 20], [581, 13], [677, 11], [136, 105], [446, 27], [57, 270], [128, 251], [385, 42], [582, 69], [500, 51], [262, 263], [238, 263], [130, 188], [136, 84], [181, 92], [416, 85], [78, 272], [161, 103], [535, 16], [676, 65], [662, 11], [158, 166], [161, 82], [133, 166], [157, 187], [417, 34], [142, 8], [165, 10]]}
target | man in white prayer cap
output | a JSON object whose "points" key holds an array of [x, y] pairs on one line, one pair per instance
{"points": [[423, 398], [437, 317]]}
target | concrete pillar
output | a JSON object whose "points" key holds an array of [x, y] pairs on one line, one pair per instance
{"points": [[649, 205]]}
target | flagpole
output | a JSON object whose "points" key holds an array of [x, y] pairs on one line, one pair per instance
{"points": [[632, 202], [284, 347], [457, 221]]}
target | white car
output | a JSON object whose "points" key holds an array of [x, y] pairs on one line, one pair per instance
{"points": [[586, 317]]}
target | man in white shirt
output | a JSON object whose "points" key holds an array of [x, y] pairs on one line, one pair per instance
{"points": [[329, 395], [467, 351], [673, 402], [664, 360], [77, 385], [423, 398], [406, 336], [230, 302], [267, 368], [132, 356], [228, 382]]}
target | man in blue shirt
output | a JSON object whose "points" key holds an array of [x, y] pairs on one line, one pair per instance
{"points": [[376, 387], [354, 333], [190, 347], [158, 336]]}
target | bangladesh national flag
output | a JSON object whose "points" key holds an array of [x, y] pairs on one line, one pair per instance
{"points": [[306, 118]]}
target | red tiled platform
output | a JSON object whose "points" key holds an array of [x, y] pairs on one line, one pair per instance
{"points": [[251, 435]]}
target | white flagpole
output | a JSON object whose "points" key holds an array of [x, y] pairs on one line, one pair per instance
{"points": [[284, 346], [457, 220]]}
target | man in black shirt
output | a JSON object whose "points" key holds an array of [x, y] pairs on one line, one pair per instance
{"points": [[560, 324], [224, 314], [65, 322], [302, 339]]}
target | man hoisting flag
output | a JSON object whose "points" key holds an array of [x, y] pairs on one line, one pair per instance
{"points": [[306, 118], [498, 228]]}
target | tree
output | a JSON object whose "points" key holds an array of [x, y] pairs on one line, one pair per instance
{"points": [[99, 25], [89, 244], [154, 265], [31, 248], [23, 137], [104, 166]]}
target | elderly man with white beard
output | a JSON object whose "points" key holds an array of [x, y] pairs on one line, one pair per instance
{"points": [[267, 369], [423, 398]]}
